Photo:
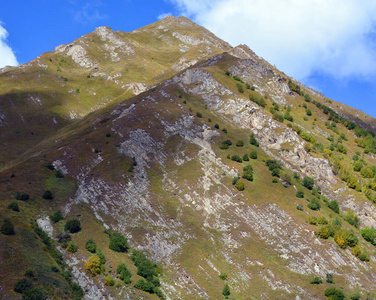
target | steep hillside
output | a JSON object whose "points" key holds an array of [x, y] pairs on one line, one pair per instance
{"points": [[231, 178], [57, 88]]}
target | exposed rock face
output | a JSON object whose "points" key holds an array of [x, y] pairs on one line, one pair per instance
{"points": [[78, 54]]}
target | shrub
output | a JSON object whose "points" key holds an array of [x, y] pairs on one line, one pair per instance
{"points": [[324, 232], [345, 238], [223, 276], [109, 281], [308, 182], [91, 246], [223, 146], [124, 273], [299, 194], [334, 294], [216, 126], [245, 157], [22, 196], [63, 237], [50, 166], [299, 207], [226, 291], [57, 216], [253, 155], [355, 296], [275, 180], [236, 158], [369, 234], [14, 206], [312, 220], [240, 185], [101, 256], [34, 293], [145, 286], [29, 273], [224, 130], [145, 267], [72, 226], [235, 180], [248, 176], [308, 112], [329, 278], [7, 228], [93, 265], [118, 242], [316, 280], [240, 88], [314, 204], [22, 285], [72, 247], [333, 205], [253, 141], [48, 195], [199, 115], [352, 219], [227, 142], [239, 143]]}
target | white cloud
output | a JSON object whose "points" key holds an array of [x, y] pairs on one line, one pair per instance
{"points": [[7, 57], [336, 37], [89, 13]]}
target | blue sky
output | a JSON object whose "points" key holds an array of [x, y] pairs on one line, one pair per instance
{"points": [[329, 45]]}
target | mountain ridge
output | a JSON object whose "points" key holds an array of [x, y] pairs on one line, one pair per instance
{"points": [[162, 168]]}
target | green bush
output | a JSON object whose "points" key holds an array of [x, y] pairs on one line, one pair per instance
{"points": [[57, 216], [34, 293], [314, 204], [253, 141], [216, 126], [239, 143], [253, 155], [334, 294], [355, 296], [124, 273], [14, 206], [22, 196], [227, 142], [299, 207], [236, 158], [48, 195], [91, 246], [73, 226], [329, 278], [22, 285], [199, 115], [7, 228], [226, 291], [223, 276], [63, 237], [118, 242], [308, 182], [245, 157], [248, 176], [333, 205], [239, 185], [316, 280], [145, 286], [101, 256], [299, 194], [308, 112], [240, 88], [352, 219], [109, 281], [72, 247]]}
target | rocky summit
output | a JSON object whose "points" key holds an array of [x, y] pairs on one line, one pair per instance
{"points": [[164, 163]]}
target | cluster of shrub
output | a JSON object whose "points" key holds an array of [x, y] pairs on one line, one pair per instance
{"points": [[343, 237], [95, 264], [149, 271]]}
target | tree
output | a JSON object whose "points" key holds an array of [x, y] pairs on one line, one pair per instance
{"points": [[57, 216], [14, 206], [253, 140], [226, 291], [93, 265], [299, 194], [333, 205], [240, 185], [73, 226], [314, 204], [91, 246], [118, 242], [48, 195], [7, 228], [308, 182], [253, 155], [240, 143]]}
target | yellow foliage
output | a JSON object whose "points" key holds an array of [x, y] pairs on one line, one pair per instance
{"points": [[356, 250], [323, 232], [340, 238], [93, 265]]}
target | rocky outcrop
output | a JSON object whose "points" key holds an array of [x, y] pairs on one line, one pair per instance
{"points": [[78, 54]]}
